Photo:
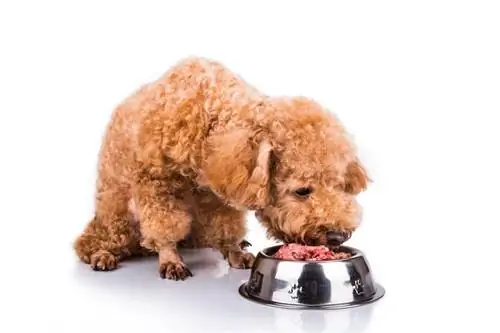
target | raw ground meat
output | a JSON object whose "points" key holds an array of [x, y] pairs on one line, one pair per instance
{"points": [[304, 252]]}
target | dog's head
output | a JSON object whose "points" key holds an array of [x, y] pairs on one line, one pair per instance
{"points": [[299, 173]]}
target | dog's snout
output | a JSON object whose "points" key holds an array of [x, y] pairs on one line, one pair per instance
{"points": [[336, 238]]}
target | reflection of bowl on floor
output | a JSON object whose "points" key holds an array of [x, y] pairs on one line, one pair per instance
{"points": [[312, 284]]}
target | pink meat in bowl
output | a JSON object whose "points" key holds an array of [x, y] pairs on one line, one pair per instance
{"points": [[310, 253]]}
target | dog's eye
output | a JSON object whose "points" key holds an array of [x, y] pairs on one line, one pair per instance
{"points": [[303, 192]]}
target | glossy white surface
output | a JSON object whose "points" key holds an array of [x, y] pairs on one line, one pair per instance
{"points": [[55, 293], [134, 298], [211, 298]]}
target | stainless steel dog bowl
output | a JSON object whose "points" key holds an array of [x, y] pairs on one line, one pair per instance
{"points": [[328, 284]]}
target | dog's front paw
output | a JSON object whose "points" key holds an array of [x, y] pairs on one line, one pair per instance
{"points": [[244, 244], [240, 259], [103, 260], [174, 271]]}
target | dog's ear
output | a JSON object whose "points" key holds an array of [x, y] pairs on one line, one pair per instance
{"points": [[356, 179], [237, 166]]}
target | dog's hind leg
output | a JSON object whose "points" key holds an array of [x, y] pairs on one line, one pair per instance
{"points": [[112, 234]]}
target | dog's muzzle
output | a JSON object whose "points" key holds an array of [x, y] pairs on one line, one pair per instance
{"points": [[334, 238]]}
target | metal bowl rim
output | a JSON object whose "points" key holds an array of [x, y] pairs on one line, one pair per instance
{"points": [[356, 253]]}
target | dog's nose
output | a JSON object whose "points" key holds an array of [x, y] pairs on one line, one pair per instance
{"points": [[336, 238]]}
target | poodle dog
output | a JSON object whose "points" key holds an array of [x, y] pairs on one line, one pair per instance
{"points": [[185, 157]]}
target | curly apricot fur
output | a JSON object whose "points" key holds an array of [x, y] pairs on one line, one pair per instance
{"points": [[187, 155]]}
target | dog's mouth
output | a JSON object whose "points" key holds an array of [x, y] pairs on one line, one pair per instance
{"points": [[325, 236], [328, 239], [316, 236], [337, 238], [331, 239]]}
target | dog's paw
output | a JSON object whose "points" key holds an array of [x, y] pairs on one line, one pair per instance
{"points": [[103, 260], [241, 260], [244, 244], [174, 271]]}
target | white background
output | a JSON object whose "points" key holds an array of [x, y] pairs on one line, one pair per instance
{"points": [[417, 83]]}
